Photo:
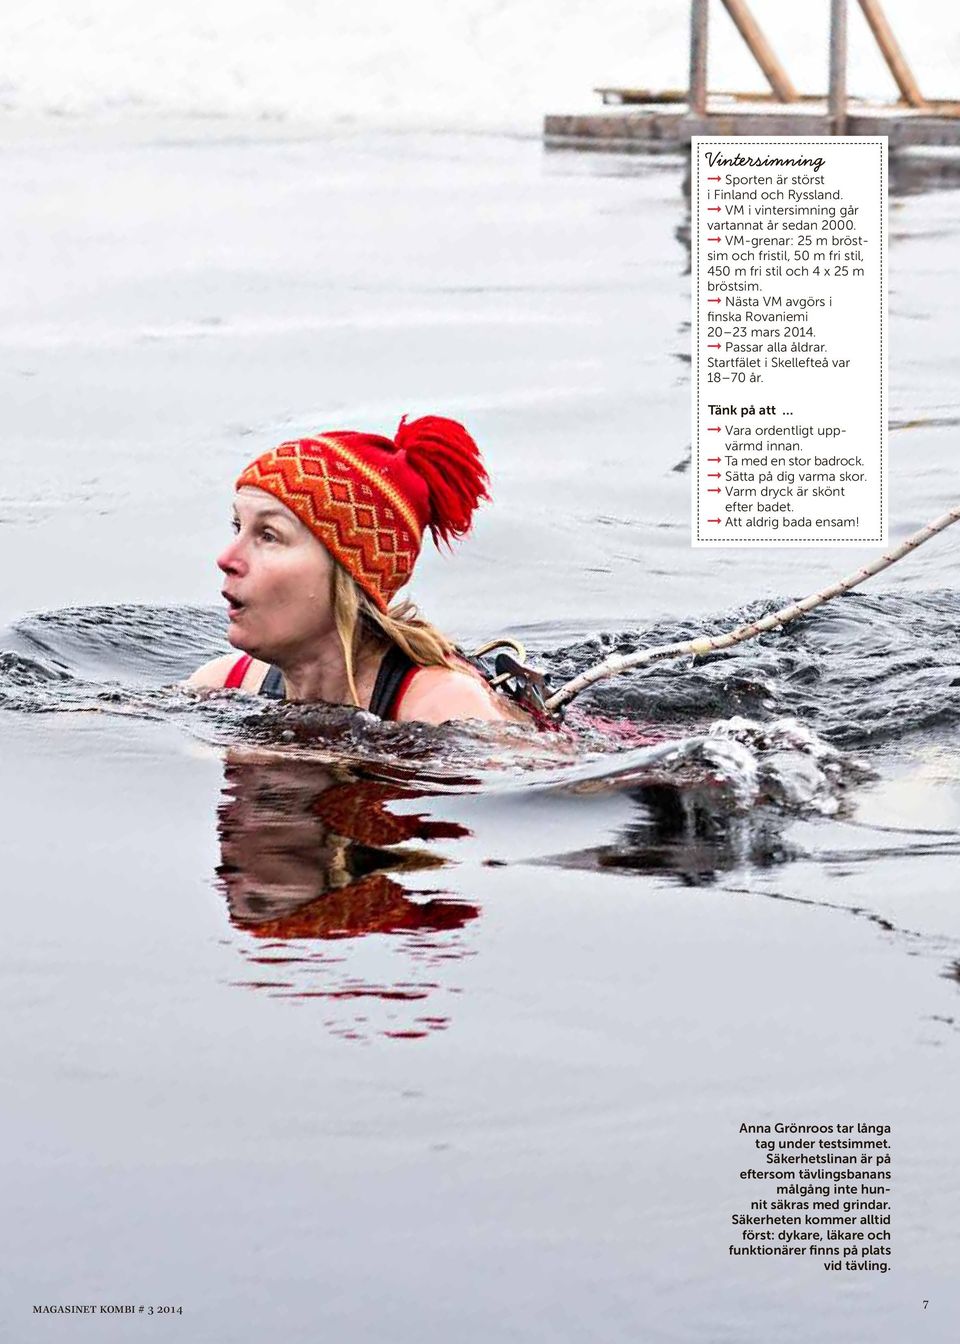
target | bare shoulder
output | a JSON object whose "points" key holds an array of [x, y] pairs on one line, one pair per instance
{"points": [[213, 674], [439, 694]]}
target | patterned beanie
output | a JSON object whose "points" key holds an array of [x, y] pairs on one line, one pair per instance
{"points": [[369, 499]]}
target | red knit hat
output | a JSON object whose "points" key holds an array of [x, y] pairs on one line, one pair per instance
{"points": [[369, 499]]}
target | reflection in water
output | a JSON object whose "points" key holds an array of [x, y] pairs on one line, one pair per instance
{"points": [[692, 833], [312, 854], [307, 853]]}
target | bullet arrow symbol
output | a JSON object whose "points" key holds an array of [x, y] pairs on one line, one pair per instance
{"points": [[713, 459], [713, 179], [714, 300], [716, 474], [713, 346], [714, 207], [713, 490], [714, 240], [714, 429], [713, 520]]}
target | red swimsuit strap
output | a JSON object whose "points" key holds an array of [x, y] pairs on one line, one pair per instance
{"points": [[237, 673], [401, 692], [408, 678]]}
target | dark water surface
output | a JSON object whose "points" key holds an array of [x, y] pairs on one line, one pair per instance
{"points": [[329, 1029]]}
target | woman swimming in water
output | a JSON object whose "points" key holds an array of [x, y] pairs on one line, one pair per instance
{"points": [[327, 531]]}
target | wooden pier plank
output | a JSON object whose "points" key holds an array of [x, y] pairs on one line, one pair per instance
{"points": [[663, 127]]}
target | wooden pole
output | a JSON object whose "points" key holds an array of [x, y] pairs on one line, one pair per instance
{"points": [[838, 67], [892, 54], [621, 662], [761, 50], [698, 58]]}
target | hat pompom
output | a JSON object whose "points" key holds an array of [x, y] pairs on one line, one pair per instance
{"points": [[446, 458]]}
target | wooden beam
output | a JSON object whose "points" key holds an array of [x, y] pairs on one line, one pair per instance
{"points": [[668, 130], [761, 50], [837, 98], [892, 54], [698, 57]]}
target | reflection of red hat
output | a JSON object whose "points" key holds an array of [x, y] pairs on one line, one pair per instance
{"points": [[369, 499], [358, 811], [375, 904]]}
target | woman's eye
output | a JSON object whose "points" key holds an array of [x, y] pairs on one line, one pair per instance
{"points": [[266, 533]]}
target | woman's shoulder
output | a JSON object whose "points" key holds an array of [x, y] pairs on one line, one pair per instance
{"points": [[438, 694], [214, 675]]}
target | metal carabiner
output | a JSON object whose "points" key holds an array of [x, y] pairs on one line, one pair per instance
{"points": [[524, 685]]}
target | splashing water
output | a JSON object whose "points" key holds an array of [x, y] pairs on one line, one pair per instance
{"points": [[795, 685]]}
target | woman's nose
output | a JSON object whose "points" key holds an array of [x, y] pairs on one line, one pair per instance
{"points": [[231, 560]]}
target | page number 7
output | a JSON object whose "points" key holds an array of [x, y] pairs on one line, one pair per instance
{"points": [[926, 1303]]}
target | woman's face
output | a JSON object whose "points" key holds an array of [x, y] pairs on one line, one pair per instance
{"points": [[278, 579]]}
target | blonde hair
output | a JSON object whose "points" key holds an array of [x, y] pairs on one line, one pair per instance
{"points": [[362, 626]]}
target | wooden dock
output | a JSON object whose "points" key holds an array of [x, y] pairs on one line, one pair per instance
{"points": [[666, 127], [640, 119]]}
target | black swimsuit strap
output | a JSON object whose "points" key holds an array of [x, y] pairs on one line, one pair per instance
{"points": [[394, 666], [272, 684]]}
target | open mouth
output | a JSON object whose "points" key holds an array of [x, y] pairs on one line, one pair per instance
{"points": [[233, 606]]}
